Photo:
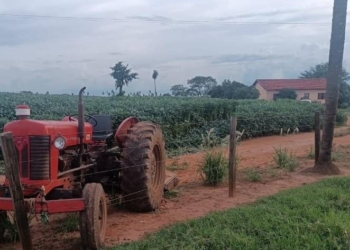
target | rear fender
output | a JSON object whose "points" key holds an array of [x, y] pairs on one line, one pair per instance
{"points": [[120, 134]]}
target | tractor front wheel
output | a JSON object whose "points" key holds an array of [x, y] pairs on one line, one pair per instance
{"points": [[93, 220], [143, 167]]}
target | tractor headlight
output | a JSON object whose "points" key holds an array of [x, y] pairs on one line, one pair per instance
{"points": [[59, 143]]}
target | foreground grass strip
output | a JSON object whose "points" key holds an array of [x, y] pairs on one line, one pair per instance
{"points": [[311, 217]]}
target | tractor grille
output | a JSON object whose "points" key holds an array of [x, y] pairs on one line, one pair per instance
{"points": [[25, 162], [39, 157]]}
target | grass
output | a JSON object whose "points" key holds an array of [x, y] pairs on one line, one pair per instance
{"points": [[310, 217], [176, 165], [310, 153], [342, 132], [252, 175], [214, 167], [171, 194], [285, 159], [2, 167], [68, 224]]}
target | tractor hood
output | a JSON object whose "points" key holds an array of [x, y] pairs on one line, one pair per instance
{"points": [[66, 129]]}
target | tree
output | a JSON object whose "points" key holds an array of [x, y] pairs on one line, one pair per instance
{"points": [[178, 90], [154, 76], [320, 71], [234, 90], [324, 163], [201, 85], [287, 94], [122, 76]]}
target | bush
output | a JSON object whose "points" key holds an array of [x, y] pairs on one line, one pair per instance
{"points": [[284, 159], [214, 168], [341, 118]]}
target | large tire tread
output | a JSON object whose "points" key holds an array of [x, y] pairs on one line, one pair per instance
{"points": [[138, 193], [89, 218]]}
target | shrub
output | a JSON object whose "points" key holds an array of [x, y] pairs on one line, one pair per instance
{"points": [[341, 118], [284, 159], [214, 168]]}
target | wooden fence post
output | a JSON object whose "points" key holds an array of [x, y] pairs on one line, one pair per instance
{"points": [[12, 168], [317, 136], [232, 160]]}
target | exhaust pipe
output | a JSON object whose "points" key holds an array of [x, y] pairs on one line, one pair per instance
{"points": [[81, 126]]}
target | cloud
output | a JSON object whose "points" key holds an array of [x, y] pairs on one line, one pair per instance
{"points": [[181, 39]]}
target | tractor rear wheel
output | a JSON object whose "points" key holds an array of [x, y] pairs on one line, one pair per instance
{"points": [[3, 221], [143, 167], [93, 220]]}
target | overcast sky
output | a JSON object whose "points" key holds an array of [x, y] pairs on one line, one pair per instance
{"points": [[226, 39]]}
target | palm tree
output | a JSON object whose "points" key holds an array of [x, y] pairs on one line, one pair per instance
{"points": [[154, 76], [324, 163]]}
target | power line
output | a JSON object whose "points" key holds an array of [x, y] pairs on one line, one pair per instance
{"points": [[152, 20]]}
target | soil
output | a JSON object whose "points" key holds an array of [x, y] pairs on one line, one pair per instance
{"points": [[195, 200]]}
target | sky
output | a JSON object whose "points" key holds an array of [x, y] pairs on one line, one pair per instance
{"points": [[61, 46]]}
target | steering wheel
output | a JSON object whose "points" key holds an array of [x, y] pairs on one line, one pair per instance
{"points": [[70, 119]]}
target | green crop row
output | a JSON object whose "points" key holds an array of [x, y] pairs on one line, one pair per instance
{"points": [[183, 119]]}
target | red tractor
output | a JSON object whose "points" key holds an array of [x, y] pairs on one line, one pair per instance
{"points": [[70, 166]]}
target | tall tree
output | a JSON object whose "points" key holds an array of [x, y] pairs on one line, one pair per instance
{"points": [[201, 85], [178, 90], [320, 71], [233, 90], [122, 76], [154, 76], [334, 77]]}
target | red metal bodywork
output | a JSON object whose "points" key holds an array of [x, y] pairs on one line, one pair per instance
{"points": [[21, 130], [119, 136], [40, 205]]}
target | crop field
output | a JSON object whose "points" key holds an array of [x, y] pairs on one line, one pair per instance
{"points": [[183, 120]]}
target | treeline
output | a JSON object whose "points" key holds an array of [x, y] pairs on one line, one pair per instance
{"points": [[207, 86]]}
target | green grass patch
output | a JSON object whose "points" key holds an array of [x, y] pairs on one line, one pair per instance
{"points": [[68, 224], [2, 167], [285, 159], [171, 194], [176, 165], [214, 167], [315, 216], [252, 174]]}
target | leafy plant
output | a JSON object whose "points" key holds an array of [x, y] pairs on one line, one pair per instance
{"points": [[284, 159], [210, 140], [252, 174], [214, 168]]}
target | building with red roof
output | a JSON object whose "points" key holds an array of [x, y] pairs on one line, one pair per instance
{"points": [[313, 89]]}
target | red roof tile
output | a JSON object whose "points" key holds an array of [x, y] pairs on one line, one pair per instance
{"points": [[297, 84]]}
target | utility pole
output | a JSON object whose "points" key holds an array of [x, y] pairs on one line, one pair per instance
{"points": [[335, 66]]}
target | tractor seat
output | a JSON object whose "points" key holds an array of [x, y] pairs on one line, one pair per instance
{"points": [[103, 129]]}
